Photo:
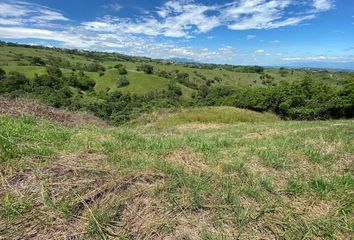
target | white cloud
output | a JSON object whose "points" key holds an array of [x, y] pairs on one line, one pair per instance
{"points": [[113, 7], [22, 13], [259, 51], [322, 5], [250, 37], [12, 10], [186, 18], [335, 58], [275, 41]]}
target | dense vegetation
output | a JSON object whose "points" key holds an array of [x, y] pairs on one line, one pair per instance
{"points": [[61, 82]]}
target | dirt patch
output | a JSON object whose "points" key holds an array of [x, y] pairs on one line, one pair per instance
{"points": [[25, 107], [322, 146], [187, 158], [279, 177], [198, 126], [345, 164], [260, 135], [148, 218]]}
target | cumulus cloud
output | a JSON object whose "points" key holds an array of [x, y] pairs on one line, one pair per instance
{"points": [[322, 5], [185, 18]]}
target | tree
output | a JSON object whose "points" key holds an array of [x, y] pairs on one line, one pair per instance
{"points": [[148, 69], [37, 61], [85, 83], [122, 70], [122, 81], [283, 72], [174, 90], [267, 79], [2, 73], [118, 65], [14, 81], [54, 71], [95, 67]]}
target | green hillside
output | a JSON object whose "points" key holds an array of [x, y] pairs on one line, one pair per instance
{"points": [[119, 88], [19, 58]]}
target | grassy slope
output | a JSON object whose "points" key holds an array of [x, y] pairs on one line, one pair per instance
{"points": [[9, 55], [139, 83], [237, 78], [203, 115], [281, 179]]}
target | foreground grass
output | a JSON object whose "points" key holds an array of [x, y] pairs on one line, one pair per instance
{"points": [[247, 180]]}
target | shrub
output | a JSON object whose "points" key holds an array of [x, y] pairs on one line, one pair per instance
{"points": [[95, 67], [122, 81], [14, 81], [86, 83], [37, 61], [146, 68], [122, 70], [2, 73], [54, 71]]}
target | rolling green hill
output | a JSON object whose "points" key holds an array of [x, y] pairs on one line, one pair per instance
{"points": [[19, 58]]}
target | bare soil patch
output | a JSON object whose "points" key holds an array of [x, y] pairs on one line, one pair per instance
{"points": [[25, 107]]}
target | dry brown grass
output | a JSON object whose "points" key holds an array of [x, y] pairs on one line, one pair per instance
{"points": [[188, 159], [87, 180], [27, 107]]}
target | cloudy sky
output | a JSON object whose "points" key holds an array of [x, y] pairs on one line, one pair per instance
{"points": [[265, 32]]}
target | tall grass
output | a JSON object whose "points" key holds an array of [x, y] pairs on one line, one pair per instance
{"points": [[217, 115]]}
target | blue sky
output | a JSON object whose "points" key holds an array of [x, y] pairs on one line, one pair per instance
{"points": [[265, 32]]}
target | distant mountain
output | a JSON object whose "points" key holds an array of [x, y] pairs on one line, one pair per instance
{"points": [[182, 60], [329, 65]]}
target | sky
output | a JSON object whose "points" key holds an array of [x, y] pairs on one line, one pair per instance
{"points": [[240, 32]]}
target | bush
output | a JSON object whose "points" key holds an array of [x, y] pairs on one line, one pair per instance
{"points": [[37, 61], [117, 66], [174, 90], [85, 83], [14, 81], [95, 67], [146, 68], [122, 81], [2, 73], [122, 71], [54, 71]]}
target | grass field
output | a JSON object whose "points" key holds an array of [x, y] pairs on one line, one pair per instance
{"points": [[199, 176], [139, 83]]}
